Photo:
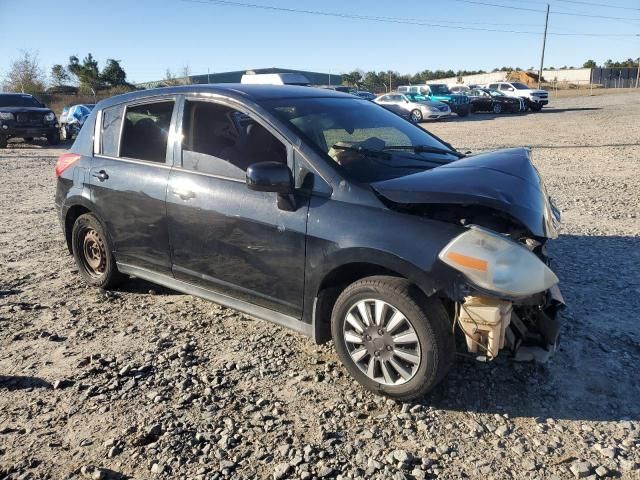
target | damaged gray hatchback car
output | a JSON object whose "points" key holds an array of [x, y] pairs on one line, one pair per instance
{"points": [[322, 212]]}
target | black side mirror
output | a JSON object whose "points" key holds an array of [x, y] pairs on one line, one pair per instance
{"points": [[270, 177]]}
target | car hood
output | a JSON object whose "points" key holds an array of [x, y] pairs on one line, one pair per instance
{"points": [[504, 180], [24, 109]]}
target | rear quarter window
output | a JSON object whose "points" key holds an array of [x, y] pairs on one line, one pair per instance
{"points": [[110, 136]]}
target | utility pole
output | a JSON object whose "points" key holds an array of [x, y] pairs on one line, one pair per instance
{"points": [[544, 43], [638, 73], [208, 79]]}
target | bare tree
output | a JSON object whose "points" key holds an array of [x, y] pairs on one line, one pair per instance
{"points": [[186, 75], [171, 80], [25, 74]]}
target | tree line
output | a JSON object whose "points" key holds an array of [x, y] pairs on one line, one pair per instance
{"points": [[26, 75]]}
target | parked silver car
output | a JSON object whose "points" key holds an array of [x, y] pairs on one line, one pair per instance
{"points": [[416, 110]]}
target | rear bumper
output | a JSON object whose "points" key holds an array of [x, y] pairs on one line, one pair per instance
{"points": [[29, 131]]}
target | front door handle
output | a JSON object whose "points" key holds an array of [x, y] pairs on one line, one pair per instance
{"points": [[184, 194], [101, 175]]}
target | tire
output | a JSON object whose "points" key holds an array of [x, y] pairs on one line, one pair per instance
{"points": [[497, 108], [415, 116], [425, 319], [536, 107], [93, 253], [463, 113], [64, 136], [28, 139], [54, 138], [3, 141]]}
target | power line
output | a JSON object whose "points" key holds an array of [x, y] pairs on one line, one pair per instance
{"points": [[511, 7], [593, 4], [403, 21]]}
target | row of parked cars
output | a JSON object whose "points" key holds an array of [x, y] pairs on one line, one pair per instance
{"points": [[437, 101]]}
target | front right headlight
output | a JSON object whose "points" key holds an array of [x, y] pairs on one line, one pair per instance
{"points": [[496, 263], [6, 116]]}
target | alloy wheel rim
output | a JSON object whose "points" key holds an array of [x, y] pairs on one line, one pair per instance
{"points": [[382, 342], [497, 108], [416, 116], [94, 253]]}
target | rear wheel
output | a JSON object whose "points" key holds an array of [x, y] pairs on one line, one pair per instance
{"points": [[392, 339], [92, 253], [416, 116]]}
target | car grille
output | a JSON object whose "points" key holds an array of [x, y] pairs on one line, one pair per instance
{"points": [[542, 95], [29, 118], [460, 99]]}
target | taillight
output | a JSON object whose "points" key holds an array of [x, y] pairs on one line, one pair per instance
{"points": [[65, 161]]}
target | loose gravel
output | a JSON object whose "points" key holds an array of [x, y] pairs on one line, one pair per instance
{"points": [[147, 383]]}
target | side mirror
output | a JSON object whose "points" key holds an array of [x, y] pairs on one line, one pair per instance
{"points": [[270, 177]]}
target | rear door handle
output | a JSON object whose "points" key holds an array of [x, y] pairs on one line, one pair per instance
{"points": [[101, 175], [184, 194]]}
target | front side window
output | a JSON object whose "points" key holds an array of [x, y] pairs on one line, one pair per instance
{"points": [[367, 141], [505, 86], [220, 140], [110, 135], [146, 130]]}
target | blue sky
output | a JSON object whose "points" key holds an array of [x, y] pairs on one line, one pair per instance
{"points": [[149, 36]]}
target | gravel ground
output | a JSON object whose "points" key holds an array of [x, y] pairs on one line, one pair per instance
{"points": [[144, 382]]}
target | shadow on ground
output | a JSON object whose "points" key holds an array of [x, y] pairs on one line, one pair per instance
{"points": [[11, 382]]}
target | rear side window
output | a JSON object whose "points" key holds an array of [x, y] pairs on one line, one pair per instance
{"points": [[146, 130], [110, 135], [222, 141]]}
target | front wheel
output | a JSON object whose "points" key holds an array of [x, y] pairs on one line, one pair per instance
{"points": [[53, 138], [536, 107], [497, 108], [391, 338], [416, 116], [3, 141], [463, 112], [92, 253]]}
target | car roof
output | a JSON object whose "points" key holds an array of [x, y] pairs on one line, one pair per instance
{"points": [[255, 92], [13, 94]]}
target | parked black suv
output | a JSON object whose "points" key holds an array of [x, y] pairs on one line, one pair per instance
{"points": [[322, 212], [23, 116]]}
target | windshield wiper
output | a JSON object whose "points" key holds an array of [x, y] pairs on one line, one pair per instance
{"points": [[362, 150], [425, 149]]}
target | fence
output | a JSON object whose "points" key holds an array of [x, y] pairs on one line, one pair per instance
{"points": [[615, 77]]}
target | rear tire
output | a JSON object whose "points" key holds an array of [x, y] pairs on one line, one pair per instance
{"points": [[93, 253], [427, 341]]}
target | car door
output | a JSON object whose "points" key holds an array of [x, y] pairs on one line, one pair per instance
{"points": [[129, 176], [225, 237]]}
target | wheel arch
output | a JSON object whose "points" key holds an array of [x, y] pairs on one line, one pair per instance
{"points": [[339, 276]]}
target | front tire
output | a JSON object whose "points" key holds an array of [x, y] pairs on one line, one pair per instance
{"points": [[54, 138], [93, 253], [536, 107], [497, 108], [416, 116], [3, 141], [392, 339]]}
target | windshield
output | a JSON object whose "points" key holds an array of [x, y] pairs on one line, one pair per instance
{"points": [[439, 89], [520, 86], [18, 101], [360, 136], [416, 97]]}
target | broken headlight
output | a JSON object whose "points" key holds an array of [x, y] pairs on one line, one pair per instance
{"points": [[497, 264]]}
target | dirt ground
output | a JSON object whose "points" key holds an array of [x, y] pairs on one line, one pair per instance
{"points": [[142, 382]]}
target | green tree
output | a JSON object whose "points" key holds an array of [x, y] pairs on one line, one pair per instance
{"points": [[25, 74], [113, 74], [86, 72], [590, 64]]}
